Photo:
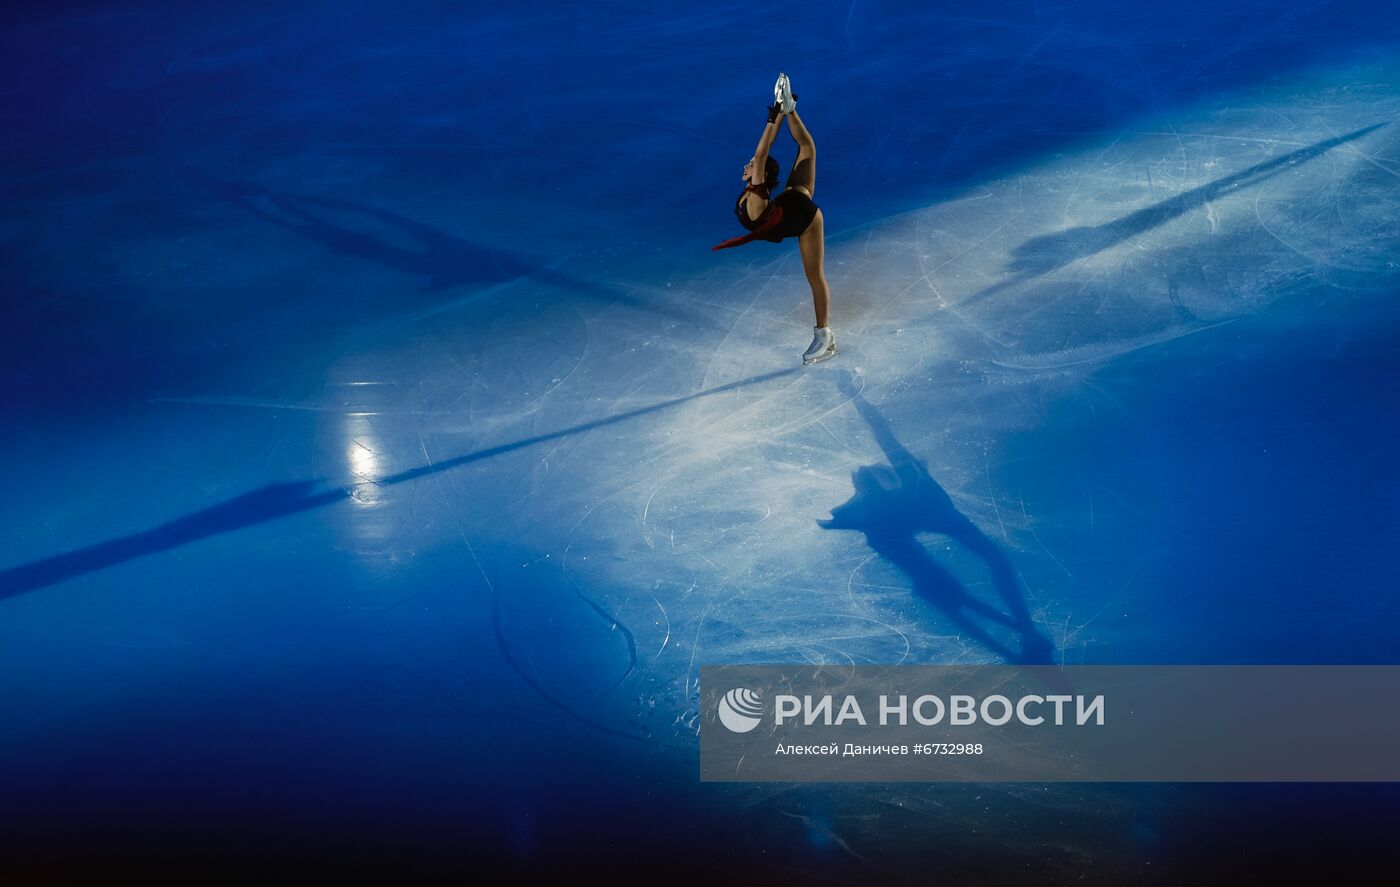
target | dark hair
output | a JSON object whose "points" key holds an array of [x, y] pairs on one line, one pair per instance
{"points": [[770, 174]]}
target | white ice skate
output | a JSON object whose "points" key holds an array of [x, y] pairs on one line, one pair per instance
{"points": [[823, 346], [782, 94]]}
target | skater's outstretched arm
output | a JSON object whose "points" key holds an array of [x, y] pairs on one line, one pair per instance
{"points": [[765, 144]]}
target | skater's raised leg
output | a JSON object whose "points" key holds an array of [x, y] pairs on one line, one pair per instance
{"points": [[804, 170]]}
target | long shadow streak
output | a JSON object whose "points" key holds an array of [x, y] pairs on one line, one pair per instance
{"points": [[1051, 252], [893, 503], [282, 500], [444, 260]]}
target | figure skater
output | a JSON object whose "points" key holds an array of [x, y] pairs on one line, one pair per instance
{"points": [[792, 213]]}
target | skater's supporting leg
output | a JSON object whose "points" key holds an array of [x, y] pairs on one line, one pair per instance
{"points": [[804, 169], [813, 248], [814, 262]]}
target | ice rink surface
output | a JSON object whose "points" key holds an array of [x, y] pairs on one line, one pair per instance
{"points": [[387, 449]]}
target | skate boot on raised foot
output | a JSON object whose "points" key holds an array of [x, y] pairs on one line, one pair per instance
{"points": [[782, 95], [823, 346]]}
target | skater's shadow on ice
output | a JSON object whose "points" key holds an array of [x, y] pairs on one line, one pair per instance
{"points": [[280, 500], [444, 261], [894, 503], [1051, 252]]}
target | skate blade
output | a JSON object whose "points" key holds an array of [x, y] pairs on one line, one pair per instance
{"points": [[825, 355]]}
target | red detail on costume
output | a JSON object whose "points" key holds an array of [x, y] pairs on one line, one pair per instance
{"points": [[775, 218]]}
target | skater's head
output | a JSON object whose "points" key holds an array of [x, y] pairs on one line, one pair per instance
{"points": [[770, 172]]}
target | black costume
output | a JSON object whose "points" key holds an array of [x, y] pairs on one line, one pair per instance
{"points": [[788, 215]]}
